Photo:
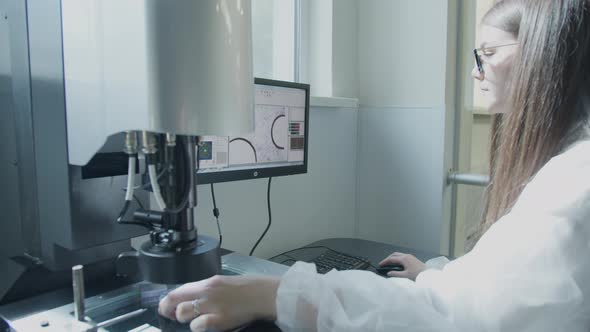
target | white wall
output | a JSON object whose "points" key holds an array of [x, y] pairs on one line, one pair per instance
{"points": [[398, 58], [402, 47], [330, 47], [306, 208], [404, 123], [317, 46], [345, 78]]}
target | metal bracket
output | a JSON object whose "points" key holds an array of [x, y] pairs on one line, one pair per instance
{"points": [[470, 179]]}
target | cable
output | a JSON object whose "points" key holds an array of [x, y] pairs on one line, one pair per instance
{"points": [[130, 178], [138, 202], [216, 214], [156, 187], [147, 184], [129, 197], [249, 143], [126, 222], [123, 211], [269, 217]]}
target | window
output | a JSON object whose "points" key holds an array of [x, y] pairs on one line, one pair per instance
{"points": [[273, 37]]}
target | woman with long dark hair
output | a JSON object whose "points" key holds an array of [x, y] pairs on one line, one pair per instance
{"points": [[529, 269]]}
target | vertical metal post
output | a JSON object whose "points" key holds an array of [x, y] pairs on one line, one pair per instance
{"points": [[297, 37], [78, 286], [192, 164], [188, 219]]}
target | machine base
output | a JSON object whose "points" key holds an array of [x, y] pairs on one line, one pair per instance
{"points": [[165, 266]]}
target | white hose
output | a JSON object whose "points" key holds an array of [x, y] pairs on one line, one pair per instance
{"points": [[130, 179], [156, 187]]}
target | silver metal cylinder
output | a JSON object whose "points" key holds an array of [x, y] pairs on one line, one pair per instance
{"points": [[149, 144], [191, 145], [78, 287], [130, 142], [469, 179], [187, 220], [170, 139]]}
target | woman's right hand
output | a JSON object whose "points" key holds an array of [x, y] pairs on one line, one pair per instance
{"points": [[221, 303], [412, 265]]}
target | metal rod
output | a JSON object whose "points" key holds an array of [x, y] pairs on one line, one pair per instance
{"points": [[481, 180], [149, 142], [119, 319], [192, 165], [187, 222], [78, 286], [297, 48]]}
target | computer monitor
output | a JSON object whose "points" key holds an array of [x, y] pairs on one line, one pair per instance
{"points": [[278, 145]]}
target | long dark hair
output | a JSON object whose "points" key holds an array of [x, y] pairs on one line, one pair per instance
{"points": [[549, 83]]}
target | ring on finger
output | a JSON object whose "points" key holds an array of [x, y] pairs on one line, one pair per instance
{"points": [[196, 304]]}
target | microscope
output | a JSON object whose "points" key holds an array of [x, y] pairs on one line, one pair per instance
{"points": [[174, 253], [107, 98], [194, 77]]}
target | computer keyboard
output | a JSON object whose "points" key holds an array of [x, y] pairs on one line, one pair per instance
{"points": [[333, 260]]}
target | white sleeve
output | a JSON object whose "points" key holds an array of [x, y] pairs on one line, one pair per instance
{"points": [[517, 278], [530, 272], [353, 301], [437, 263]]}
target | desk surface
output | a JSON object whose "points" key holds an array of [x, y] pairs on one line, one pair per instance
{"points": [[373, 251]]}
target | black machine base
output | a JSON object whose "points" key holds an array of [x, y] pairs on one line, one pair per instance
{"points": [[165, 266]]}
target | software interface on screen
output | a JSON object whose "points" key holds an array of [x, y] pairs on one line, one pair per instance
{"points": [[278, 139]]}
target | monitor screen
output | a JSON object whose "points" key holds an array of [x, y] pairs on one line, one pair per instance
{"points": [[278, 145]]}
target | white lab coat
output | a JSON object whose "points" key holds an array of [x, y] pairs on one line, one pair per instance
{"points": [[529, 272]]}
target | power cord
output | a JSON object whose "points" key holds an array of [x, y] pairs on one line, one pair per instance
{"points": [[269, 217], [216, 214], [122, 214], [138, 202], [136, 199]]}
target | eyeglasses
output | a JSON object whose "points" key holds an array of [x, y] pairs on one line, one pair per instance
{"points": [[479, 61]]}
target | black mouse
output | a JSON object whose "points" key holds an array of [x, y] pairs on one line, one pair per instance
{"points": [[383, 270]]}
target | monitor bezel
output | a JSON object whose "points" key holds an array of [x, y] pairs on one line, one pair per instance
{"points": [[266, 172]]}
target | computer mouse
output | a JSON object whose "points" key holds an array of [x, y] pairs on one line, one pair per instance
{"points": [[383, 270]]}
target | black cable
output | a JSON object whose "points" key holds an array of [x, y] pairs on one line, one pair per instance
{"points": [[138, 202], [148, 184], [127, 222], [272, 136], [249, 143], [269, 217], [216, 214], [123, 211]]}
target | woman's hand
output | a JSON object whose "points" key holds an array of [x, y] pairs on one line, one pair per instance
{"points": [[221, 303], [412, 265]]}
